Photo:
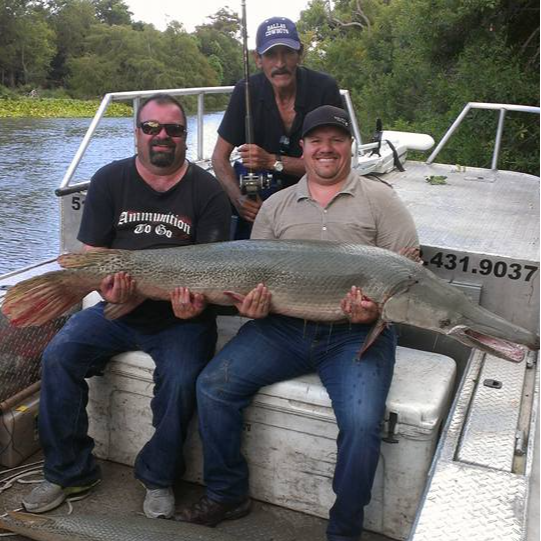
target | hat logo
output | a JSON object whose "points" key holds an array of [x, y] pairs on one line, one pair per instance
{"points": [[341, 120], [276, 28]]}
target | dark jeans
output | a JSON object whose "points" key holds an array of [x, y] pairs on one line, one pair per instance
{"points": [[278, 348], [82, 349]]}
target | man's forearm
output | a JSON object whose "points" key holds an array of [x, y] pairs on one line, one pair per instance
{"points": [[225, 174]]}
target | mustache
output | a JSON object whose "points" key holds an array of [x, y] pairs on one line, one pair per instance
{"points": [[282, 71], [163, 143]]}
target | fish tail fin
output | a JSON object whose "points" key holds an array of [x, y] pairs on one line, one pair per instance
{"points": [[43, 298]]}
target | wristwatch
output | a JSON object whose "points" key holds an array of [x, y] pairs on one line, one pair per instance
{"points": [[278, 164]]}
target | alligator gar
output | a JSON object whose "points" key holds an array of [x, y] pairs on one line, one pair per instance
{"points": [[307, 280], [104, 528]]}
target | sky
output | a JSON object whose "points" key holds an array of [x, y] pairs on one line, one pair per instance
{"points": [[194, 12]]}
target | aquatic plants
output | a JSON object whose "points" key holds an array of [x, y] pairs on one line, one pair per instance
{"points": [[57, 108]]}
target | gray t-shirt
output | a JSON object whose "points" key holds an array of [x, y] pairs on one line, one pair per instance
{"points": [[366, 211]]}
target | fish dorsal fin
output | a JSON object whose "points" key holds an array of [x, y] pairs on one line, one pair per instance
{"points": [[87, 259]]}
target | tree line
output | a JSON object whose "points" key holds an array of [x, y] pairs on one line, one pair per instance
{"points": [[412, 63], [416, 63], [89, 47]]}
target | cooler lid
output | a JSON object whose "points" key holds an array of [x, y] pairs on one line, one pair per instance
{"points": [[420, 390]]}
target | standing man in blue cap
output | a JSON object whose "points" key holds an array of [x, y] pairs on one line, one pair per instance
{"points": [[281, 96]]}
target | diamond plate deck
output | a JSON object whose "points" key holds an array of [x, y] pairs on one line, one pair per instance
{"points": [[472, 502], [491, 424], [461, 213], [467, 503]]}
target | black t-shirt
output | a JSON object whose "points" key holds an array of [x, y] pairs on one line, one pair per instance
{"points": [[313, 89], [122, 211]]}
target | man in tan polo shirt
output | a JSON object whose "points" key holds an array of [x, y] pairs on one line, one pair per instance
{"points": [[331, 202]]}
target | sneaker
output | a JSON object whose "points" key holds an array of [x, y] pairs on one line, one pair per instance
{"points": [[159, 502], [47, 496], [207, 512]]}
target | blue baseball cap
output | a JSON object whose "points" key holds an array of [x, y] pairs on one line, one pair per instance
{"points": [[277, 31]]}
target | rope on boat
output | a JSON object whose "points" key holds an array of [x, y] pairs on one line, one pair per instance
{"points": [[17, 478]]}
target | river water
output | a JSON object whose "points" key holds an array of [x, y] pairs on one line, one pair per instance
{"points": [[34, 156]]}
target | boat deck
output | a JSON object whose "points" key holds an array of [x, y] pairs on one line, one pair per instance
{"points": [[121, 494]]}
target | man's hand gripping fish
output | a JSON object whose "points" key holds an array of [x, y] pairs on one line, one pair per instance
{"points": [[307, 279]]}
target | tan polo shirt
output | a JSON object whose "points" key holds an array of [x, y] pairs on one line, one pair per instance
{"points": [[365, 211]]}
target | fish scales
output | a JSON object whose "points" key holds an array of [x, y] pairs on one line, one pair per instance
{"points": [[105, 528], [307, 279]]}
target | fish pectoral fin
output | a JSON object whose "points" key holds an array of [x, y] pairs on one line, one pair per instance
{"points": [[114, 311], [236, 297], [372, 336]]}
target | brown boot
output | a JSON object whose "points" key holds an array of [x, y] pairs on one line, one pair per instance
{"points": [[207, 512]]}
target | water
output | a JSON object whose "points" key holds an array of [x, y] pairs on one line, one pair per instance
{"points": [[34, 156]]}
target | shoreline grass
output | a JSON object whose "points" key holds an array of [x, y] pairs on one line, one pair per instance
{"points": [[58, 108], [26, 107]]}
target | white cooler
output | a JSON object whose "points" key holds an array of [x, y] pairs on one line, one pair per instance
{"points": [[290, 433]]}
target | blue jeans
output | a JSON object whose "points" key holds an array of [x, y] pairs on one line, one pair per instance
{"points": [[82, 349], [277, 348]]}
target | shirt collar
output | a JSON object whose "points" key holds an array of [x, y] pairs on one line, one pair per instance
{"points": [[351, 186]]}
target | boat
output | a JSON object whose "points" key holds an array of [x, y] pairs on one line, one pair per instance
{"points": [[478, 478]]}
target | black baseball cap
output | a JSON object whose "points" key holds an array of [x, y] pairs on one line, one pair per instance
{"points": [[277, 31], [326, 115]]}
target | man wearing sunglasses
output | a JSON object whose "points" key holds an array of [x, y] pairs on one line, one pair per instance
{"points": [[281, 96], [155, 199]]}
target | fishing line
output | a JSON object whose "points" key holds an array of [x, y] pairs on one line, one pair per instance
{"points": [[75, 499]]}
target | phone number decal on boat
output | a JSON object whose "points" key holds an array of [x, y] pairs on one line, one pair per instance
{"points": [[485, 267]]}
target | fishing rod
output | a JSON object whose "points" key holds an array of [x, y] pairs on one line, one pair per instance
{"points": [[250, 182]]}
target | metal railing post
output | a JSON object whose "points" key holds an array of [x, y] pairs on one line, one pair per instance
{"points": [[200, 115], [450, 132], [356, 132], [136, 105], [86, 140], [498, 142]]}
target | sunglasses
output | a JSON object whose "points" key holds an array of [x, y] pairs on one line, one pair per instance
{"points": [[151, 127]]}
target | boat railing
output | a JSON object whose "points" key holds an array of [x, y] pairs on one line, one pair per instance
{"points": [[136, 96], [502, 108]]}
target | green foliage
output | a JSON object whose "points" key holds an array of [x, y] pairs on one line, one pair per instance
{"points": [[121, 59], [57, 108], [26, 43], [219, 41], [416, 63], [7, 93], [412, 63], [112, 12]]}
